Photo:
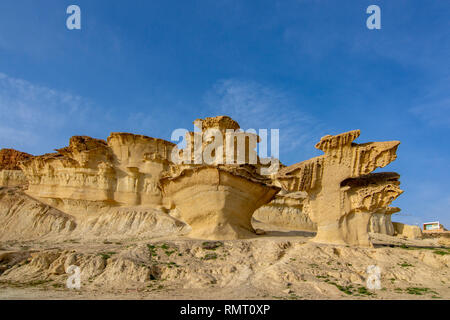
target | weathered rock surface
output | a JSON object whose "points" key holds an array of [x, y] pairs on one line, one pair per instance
{"points": [[286, 211], [12, 178], [342, 193], [10, 173], [263, 268], [407, 231], [10, 159], [24, 218], [124, 171], [217, 200], [136, 176]]}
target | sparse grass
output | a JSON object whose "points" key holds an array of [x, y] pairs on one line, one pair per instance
{"points": [[419, 291], [441, 252], [106, 255], [172, 264], [210, 256], [36, 283], [345, 289], [169, 253], [405, 265], [348, 290], [363, 291], [152, 250], [211, 245], [294, 296]]}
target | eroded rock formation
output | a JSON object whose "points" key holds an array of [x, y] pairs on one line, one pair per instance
{"points": [[92, 178], [343, 194], [407, 231], [10, 159], [10, 173], [90, 174], [25, 218], [286, 211], [217, 199], [215, 184]]}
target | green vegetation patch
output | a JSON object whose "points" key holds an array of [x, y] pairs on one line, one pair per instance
{"points": [[210, 256], [212, 245], [419, 291], [106, 255], [405, 265]]}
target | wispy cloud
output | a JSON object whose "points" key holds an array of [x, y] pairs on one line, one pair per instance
{"points": [[258, 106], [434, 108], [30, 113]]}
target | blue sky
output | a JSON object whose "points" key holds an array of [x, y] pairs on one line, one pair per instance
{"points": [[307, 67]]}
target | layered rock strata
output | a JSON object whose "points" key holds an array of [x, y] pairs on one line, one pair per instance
{"points": [[286, 211], [216, 198], [342, 194], [10, 173]]}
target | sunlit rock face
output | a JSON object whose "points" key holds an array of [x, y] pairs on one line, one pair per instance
{"points": [[10, 159], [138, 162], [215, 184], [91, 176], [286, 211], [217, 202], [217, 199], [342, 195], [381, 222], [10, 173], [90, 173]]}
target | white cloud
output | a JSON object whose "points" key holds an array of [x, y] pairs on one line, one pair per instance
{"points": [[435, 114], [257, 106], [434, 108], [29, 113]]}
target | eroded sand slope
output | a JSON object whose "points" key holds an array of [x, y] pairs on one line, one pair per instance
{"points": [[38, 243]]}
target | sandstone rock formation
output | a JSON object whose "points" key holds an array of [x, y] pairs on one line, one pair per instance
{"points": [[10, 159], [381, 222], [407, 231], [217, 199], [23, 218], [10, 173], [342, 193], [93, 179], [215, 184], [286, 211], [91, 174]]}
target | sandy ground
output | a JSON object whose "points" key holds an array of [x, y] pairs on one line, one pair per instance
{"points": [[278, 265]]}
